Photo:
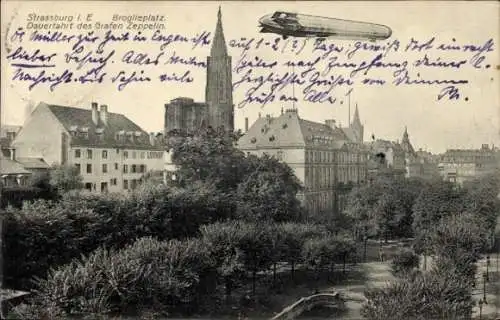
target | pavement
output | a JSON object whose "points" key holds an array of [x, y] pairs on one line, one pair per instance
{"points": [[378, 275], [491, 309]]}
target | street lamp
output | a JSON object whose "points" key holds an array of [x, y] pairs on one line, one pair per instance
{"points": [[365, 239], [487, 268], [484, 288], [480, 309]]}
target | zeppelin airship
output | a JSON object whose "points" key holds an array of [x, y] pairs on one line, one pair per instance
{"points": [[302, 25]]}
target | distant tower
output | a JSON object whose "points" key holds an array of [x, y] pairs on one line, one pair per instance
{"points": [[219, 89], [356, 126], [406, 144]]}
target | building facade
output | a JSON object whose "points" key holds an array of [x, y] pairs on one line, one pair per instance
{"points": [[385, 156], [111, 152], [321, 156], [459, 165], [185, 115], [418, 164]]}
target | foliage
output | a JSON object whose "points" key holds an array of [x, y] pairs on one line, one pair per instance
{"points": [[482, 199], [438, 199], [65, 178], [421, 296], [47, 234], [268, 192], [404, 262], [208, 155], [52, 233], [160, 275], [384, 207], [326, 250], [253, 188]]}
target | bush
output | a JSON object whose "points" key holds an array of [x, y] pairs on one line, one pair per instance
{"points": [[164, 276], [404, 261], [16, 196], [50, 234], [422, 296]]}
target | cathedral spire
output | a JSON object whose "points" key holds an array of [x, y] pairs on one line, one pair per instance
{"points": [[356, 115], [219, 48]]}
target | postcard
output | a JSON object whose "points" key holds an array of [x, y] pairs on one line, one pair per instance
{"points": [[93, 92]]}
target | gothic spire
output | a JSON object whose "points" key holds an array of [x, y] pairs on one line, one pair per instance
{"points": [[219, 48], [356, 115]]}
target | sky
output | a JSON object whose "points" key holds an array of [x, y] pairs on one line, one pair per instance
{"points": [[384, 110]]}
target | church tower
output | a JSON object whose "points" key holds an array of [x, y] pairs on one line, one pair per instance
{"points": [[219, 88], [357, 127], [406, 144]]}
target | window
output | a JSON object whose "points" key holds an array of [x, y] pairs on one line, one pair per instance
{"points": [[125, 184], [134, 155], [78, 153], [125, 168], [113, 182], [89, 154], [104, 187], [142, 155], [84, 135], [78, 167], [116, 166], [142, 168], [104, 168], [134, 168], [125, 154], [104, 154], [89, 168]]}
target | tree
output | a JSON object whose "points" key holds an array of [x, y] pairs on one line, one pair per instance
{"points": [[421, 296], [256, 188], [65, 178], [482, 199], [438, 199], [404, 261], [360, 204], [223, 241], [325, 251], [208, 155], [383, 207], [268, 192]]}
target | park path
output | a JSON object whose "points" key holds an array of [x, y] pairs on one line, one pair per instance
{"points": [[491, 310], [378, 274]]}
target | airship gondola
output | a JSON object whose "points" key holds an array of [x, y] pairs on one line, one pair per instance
{"points": [[303, 25]]}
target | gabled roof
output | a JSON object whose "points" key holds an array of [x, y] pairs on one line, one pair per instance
{"points": [[380, 144], [312, 129], [269, 132], [289, 130], [32, 163], [81, 120], [8, 166], [349, 132]]}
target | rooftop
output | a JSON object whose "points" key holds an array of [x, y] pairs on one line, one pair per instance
{"points": [[111, 130]]}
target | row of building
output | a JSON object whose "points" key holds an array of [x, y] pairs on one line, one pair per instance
{"points": [[113, 154]]}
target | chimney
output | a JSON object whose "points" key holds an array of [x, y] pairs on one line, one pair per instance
{"points": [[152, 139], [330, 123], [104, 114], [95, 115], [246, 124]]}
